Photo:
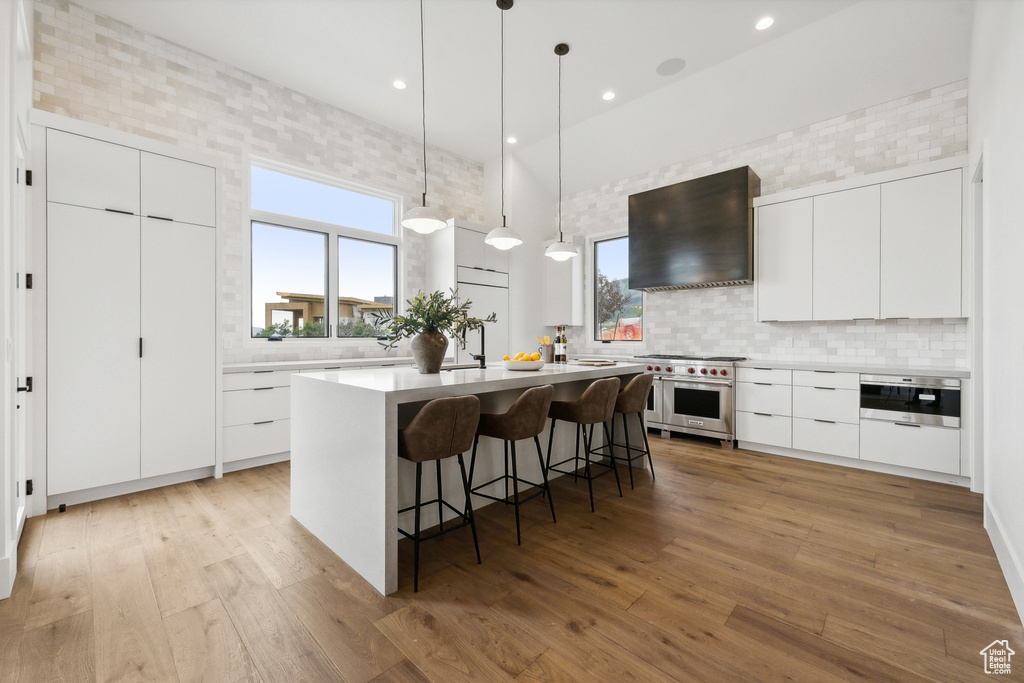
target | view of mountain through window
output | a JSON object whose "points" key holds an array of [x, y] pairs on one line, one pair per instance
{"points": [[618, 310]]}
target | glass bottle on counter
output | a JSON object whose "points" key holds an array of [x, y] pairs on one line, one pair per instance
{"points": [[560, 345]]}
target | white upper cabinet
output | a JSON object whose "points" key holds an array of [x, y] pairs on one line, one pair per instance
{"points": [[178, 190], [846, 242], [83, 171], [783, 269], [921, 246], [471, 251]]}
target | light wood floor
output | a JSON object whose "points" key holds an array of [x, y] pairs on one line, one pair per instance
{"points": [[731, 566]]}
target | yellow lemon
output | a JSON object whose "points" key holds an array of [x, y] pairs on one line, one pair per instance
{"points": [[534, 356], [506, 357]]}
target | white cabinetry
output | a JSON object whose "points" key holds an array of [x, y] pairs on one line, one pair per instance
{"points": [[846, 239], [458, 258], [131, 320], [862, 250], [783, 268], [764, 406], [257, 414], [563, 291], [921, 250], [826, 412], [924, 447]]}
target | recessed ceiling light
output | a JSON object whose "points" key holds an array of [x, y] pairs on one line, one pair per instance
{"points": [[608, 96], [400, 85], [511, 140], [670, 67], [764, 23]]}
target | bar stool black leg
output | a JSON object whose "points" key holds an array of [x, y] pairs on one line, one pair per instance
{"points": [[629, 453], [615, 467], [515, 492], [544, 473], [551, 436], [647, 446], [416, 532], [469, 508], [576, 461], [472, 460], [440, 504], [587, 440], [506, 471]]}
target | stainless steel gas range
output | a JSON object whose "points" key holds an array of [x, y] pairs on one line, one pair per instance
{"points": [[692, 395]]}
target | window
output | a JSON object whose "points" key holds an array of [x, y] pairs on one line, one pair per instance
{"points": [[618, 310], [314, 242]]}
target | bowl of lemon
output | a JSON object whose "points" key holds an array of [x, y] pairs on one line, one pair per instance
{"points": [[523, 361]]}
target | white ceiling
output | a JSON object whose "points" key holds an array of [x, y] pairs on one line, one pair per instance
{"points": [[820, 59]]}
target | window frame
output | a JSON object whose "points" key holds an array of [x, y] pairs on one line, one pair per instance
{"points": [[591, 343], [333, 232]]}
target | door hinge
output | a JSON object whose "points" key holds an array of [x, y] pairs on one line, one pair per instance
{"points": [[28, 177], [28, 487], [28, 385]]}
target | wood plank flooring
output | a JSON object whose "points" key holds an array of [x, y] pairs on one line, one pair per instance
{"points": [[730, 566]]}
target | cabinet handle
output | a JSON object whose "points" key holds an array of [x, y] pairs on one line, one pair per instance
{"points": [[764, 414], [905, 424], [126, 213], [160, 218], [826, 372], [262, 388], [766, 369], [140, 347], [826, 388], [828, 422], [333, 367], [260, 372], [264, 422], [762, 384]]}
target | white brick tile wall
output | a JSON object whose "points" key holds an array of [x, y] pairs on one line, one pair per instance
{"points": [[95, 69], [910, 130]]}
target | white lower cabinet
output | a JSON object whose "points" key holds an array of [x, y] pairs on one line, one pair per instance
{"points": [[826, 436], [764, 406], [826, 412], [771, 430], [245, 441], [924, 447], [257, 412]]}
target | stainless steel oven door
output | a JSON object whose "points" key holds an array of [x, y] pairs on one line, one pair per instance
{"points": [[698, 407], [653, 413]]}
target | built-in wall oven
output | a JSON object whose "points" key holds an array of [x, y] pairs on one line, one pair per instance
{"points": [[692, 395], [910, 400]]}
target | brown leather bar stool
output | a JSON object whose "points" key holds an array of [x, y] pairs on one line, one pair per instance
{"points": [[524, 420], [444, 427], [594, 406], [632, 400]]}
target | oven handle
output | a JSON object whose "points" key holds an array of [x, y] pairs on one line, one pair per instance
{"points": [[702, 382]]}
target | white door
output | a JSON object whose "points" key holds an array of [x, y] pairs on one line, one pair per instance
{"points": [[846, 243], [178, 347], [92, 339], [783, 271], [88, 172], [178, 190], [486, 300]]}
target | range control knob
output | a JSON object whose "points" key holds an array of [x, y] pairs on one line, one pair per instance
{"points": [[668, 369], [714, 371], [703, 371], [690, 370], [657, 368], [722, 373], [649, 368]]}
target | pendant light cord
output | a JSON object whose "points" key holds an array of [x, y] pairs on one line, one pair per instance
{"points": [[423, 104], [560, 149], [502, 98]]}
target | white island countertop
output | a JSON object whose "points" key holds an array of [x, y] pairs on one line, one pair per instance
{"points": [[346, 484]]}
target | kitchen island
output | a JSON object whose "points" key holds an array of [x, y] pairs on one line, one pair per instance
{"points": [[347, 481]]}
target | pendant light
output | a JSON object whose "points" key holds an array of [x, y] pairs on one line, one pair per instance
{"points": [[560, 250], [423, 219], [504, 237]]}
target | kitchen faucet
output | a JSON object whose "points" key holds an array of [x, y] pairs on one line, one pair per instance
{"points": [[479, 356]]}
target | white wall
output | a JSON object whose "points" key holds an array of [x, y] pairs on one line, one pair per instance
{"points": [[996, 137]]}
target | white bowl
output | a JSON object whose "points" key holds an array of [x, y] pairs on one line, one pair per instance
{"points": [[523, 364]]}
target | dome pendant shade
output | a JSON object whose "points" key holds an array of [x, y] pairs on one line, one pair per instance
{"points": [[424, 219], [561, 251], [503, 238]]}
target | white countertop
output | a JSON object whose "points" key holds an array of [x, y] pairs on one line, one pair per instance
{"points": [[897, 370], [323, 364], [410, 384]]}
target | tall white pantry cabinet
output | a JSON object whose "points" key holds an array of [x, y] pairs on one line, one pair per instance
{"points": [[130, 312]]}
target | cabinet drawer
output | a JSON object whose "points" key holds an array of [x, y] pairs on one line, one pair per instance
{"points": [[775, 399], [253, 440], [256, 405], [252, 380], [769, 375], [834, 438], [826, 378], [477, 276], [936, 449], [772, 430], [824, 403]]}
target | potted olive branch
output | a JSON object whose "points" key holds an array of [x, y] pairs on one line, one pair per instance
{"points": [[427, 319]]}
